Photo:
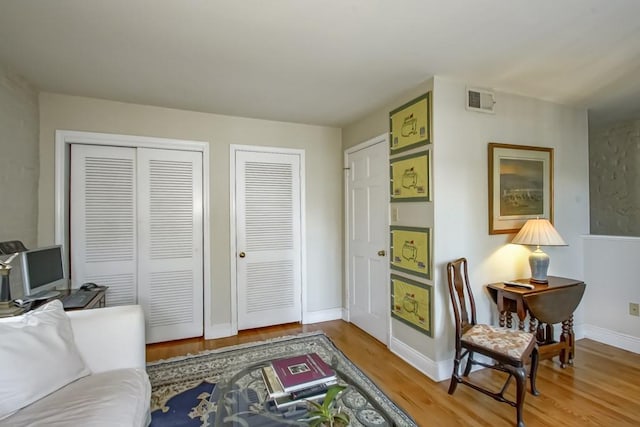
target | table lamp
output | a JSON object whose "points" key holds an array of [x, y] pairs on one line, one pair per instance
{"points": [[538, 232]]}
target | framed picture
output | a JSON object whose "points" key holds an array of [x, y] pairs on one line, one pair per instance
{"points": [[410, 178], [411, 250], [409, 125], [411, 303], [520, 186]]}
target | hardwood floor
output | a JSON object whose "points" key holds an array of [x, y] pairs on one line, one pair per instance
{"points": [[601, 389]]}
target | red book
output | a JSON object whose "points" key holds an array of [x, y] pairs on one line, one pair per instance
{"points": [[301, 372]]}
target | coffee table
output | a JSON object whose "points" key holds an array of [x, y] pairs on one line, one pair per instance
{"points": [[243, 400]]}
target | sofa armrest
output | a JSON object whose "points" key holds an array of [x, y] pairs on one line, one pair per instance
{"points": [[110, 338]]}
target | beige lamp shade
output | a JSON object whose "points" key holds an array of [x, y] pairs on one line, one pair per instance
{"points": [[538, 232]]}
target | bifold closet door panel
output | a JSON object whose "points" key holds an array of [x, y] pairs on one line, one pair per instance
{"points": [[103, 220], [170, 267]]}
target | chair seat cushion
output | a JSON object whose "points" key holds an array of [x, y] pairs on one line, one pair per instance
{"points": [[509, 342]]}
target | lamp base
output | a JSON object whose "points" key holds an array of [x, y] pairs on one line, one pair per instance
{"points": [[539, 263]]}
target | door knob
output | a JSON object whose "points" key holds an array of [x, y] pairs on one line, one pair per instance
{"points": [[242, 254], [382, 253]]}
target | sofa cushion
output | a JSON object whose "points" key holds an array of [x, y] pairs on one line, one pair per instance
{"points": [[38, 356], [108, 399]]}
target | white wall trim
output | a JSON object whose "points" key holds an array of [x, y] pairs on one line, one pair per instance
{"points": [[233, 149], [220, 330], [612, 238], [384, 138], [612, 338], [322, 315], [437, 371], [64, 139]]}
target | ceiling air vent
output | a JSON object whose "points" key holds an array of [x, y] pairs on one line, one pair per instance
{"points": [[480, 100]]}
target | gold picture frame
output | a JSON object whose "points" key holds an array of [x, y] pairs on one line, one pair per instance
{"points": [[410, 125], [411, 250], [410, 178], [520, 186], [411, 303]]}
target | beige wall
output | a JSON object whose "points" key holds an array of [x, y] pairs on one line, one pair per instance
{"points": [[18, 159], [323, 152], [18, 164]]}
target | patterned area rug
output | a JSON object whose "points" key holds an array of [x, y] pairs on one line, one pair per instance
{"points": [[185, 390]]}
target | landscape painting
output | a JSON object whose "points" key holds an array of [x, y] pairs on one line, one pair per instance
{"points": [[520, 186]]}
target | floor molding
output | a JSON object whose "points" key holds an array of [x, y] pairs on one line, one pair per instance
{"points": [[437, 371], [612, 338], [322, 315]]}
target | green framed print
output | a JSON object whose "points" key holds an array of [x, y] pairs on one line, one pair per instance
{"points": [[410, 178], [411, 250], [409, 125], [411, 303], [520, 186]]}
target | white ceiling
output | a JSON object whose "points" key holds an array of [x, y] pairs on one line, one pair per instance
{"points": [[325, 62]]}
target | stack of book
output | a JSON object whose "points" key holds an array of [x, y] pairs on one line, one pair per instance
{"points": [[294, 380]]}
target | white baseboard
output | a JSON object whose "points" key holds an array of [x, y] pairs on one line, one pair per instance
{"points": [[220, 330], [437, 371], [345, 315], [612, 338], [322, 315]]}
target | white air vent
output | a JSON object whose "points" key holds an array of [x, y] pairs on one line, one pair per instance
{"points": [[480, 100]]}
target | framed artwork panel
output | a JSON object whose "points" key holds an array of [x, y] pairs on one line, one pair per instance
{"points": [[411, 250], [411, 303], [520, 186], [410, 178], [410, 125]]}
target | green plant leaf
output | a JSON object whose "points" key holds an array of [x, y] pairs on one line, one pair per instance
{"points": [[332, 392]]}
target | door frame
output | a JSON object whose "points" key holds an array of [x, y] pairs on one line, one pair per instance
{"points": [[384, 138], [233, 149], [64, 139]]}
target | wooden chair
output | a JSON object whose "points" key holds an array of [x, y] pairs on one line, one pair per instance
{"points": [[509, 349]]}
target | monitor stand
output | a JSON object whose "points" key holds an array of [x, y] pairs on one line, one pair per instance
{"points": [[43, 295]]}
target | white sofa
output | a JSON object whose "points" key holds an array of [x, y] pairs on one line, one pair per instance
{"points": [[116, 392]]}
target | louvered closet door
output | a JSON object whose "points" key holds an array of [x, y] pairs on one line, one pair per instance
{"points": [[170, 243], [268, 263], [103, 220]]}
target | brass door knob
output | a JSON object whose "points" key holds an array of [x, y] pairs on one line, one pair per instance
{"points": [[242, 255], [382, 253]]}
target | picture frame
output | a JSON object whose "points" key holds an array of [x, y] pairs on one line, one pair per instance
{"points": [[411, 303], [410, 125], [520, 186], [411, 250], [410, 178]]}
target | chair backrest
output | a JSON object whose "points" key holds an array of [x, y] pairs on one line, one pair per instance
{"points": [[461, 296]]}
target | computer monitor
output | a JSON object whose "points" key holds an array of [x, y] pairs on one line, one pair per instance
{"points": [[42, 272]]}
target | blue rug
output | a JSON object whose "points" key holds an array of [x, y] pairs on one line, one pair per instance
{"points": [[185, 390], [185, 409]]}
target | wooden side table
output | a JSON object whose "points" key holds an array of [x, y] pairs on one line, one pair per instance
{"points": [[546, 304], [98, 301]]}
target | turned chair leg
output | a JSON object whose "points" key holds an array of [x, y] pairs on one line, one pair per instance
{"points": [[467, 368], [534, 372], [454, 376], [521, 386]]}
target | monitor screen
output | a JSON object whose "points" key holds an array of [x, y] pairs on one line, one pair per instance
{"points": [[42, 270]]}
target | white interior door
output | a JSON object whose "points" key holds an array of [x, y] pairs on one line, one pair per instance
{"points": [[170, 243], [368, 207], [103, 220], [268, 238]]}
